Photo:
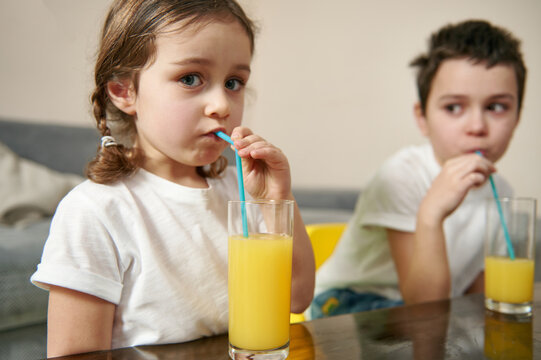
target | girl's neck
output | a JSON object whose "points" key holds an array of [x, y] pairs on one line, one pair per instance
{"points": [[183, 175]]}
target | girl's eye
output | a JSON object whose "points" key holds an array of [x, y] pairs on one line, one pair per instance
{"points": [[453, 108], [191, 80], [234, 84], [497, 107]]}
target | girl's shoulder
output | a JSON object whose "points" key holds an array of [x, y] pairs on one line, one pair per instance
{"points": [[90, 195], [91, 190]]}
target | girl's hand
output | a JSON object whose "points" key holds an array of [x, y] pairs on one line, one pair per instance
{"points": [[451, 186], [265, 167], [267, 176]]}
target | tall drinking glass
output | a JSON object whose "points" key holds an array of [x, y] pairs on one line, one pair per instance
{"points": [[260, 278], [509, 255]]}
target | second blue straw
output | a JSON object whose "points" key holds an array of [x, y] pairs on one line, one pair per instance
{"points": [[240, 179], [502, 218]]}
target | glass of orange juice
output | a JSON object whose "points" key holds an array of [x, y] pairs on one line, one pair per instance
{"points": [[509, 255], [259, 279]]}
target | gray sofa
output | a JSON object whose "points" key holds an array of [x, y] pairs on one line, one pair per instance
{"points": [[62, 150]]}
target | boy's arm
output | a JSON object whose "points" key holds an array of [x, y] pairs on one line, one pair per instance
{"points": [[77, 322], [421, 257], [478, 285], [423, 269]]}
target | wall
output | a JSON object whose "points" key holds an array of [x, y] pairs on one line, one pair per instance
{"points": [[331, 84]]}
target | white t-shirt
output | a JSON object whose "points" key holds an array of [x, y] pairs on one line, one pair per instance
{"points": [[362, 259], [154, 248]]}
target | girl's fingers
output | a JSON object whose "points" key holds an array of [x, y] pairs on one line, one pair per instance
{"points": [[240, 133], [248, 141], [254, 148]]}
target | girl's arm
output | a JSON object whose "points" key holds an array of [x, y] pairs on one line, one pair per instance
{"points": [[267, 176], [304, 268], [421, 258], [77, 322]]}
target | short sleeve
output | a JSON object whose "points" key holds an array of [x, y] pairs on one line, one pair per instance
{"points": [[80, 253], [393, 196]]}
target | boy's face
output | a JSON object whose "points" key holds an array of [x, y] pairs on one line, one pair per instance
{"points": [[470, 108]]}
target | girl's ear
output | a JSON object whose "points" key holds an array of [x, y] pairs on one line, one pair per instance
{"points": [[420, 117], [122, 94]]}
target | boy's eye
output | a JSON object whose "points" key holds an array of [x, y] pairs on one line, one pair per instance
{"points": [[453, 108], [497, 107], [233, 84], [191, 80]]}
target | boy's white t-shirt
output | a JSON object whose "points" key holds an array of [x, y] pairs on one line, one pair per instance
{"points": [[156, 249], [362, 259]]}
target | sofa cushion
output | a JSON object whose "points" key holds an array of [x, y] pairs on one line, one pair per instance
{"points": [[29, 190], [326, 205], [21, 303], [322, 215], [327, 198], [62, 148], [29, 342]]}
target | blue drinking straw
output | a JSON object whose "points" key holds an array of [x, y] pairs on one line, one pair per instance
{"points": [[240, 179], [500, 212]]}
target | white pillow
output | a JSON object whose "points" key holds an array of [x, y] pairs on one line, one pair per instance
{"points": [[28, 190]]}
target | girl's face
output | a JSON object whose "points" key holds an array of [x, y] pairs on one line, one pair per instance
{"points": [[194, 87], [470, 108]]}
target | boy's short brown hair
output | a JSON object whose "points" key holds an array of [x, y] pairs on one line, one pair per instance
{"points": [[475, 40]]}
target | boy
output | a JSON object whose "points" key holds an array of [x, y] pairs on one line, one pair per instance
{"points": [[417, 231]]}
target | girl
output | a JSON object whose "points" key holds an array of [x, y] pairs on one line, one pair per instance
{"points": [[138, 253]]}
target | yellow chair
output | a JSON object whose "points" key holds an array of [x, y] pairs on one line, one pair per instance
{"points": [[324, 238]]}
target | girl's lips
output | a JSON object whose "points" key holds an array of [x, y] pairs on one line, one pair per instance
{"points": [[213, 132], [212, 135], [477, 151]]}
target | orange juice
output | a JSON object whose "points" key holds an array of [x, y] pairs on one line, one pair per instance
{"points": [[259, 291], [509, 281]]}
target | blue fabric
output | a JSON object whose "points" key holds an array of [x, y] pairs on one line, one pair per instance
{"points": [[343, 301]]}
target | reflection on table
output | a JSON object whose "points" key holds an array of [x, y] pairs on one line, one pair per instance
{"points": [[507, 337], [459, 328]]}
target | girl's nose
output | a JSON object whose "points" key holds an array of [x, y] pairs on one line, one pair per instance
{"points": [[476, 124], [217, 104]]}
